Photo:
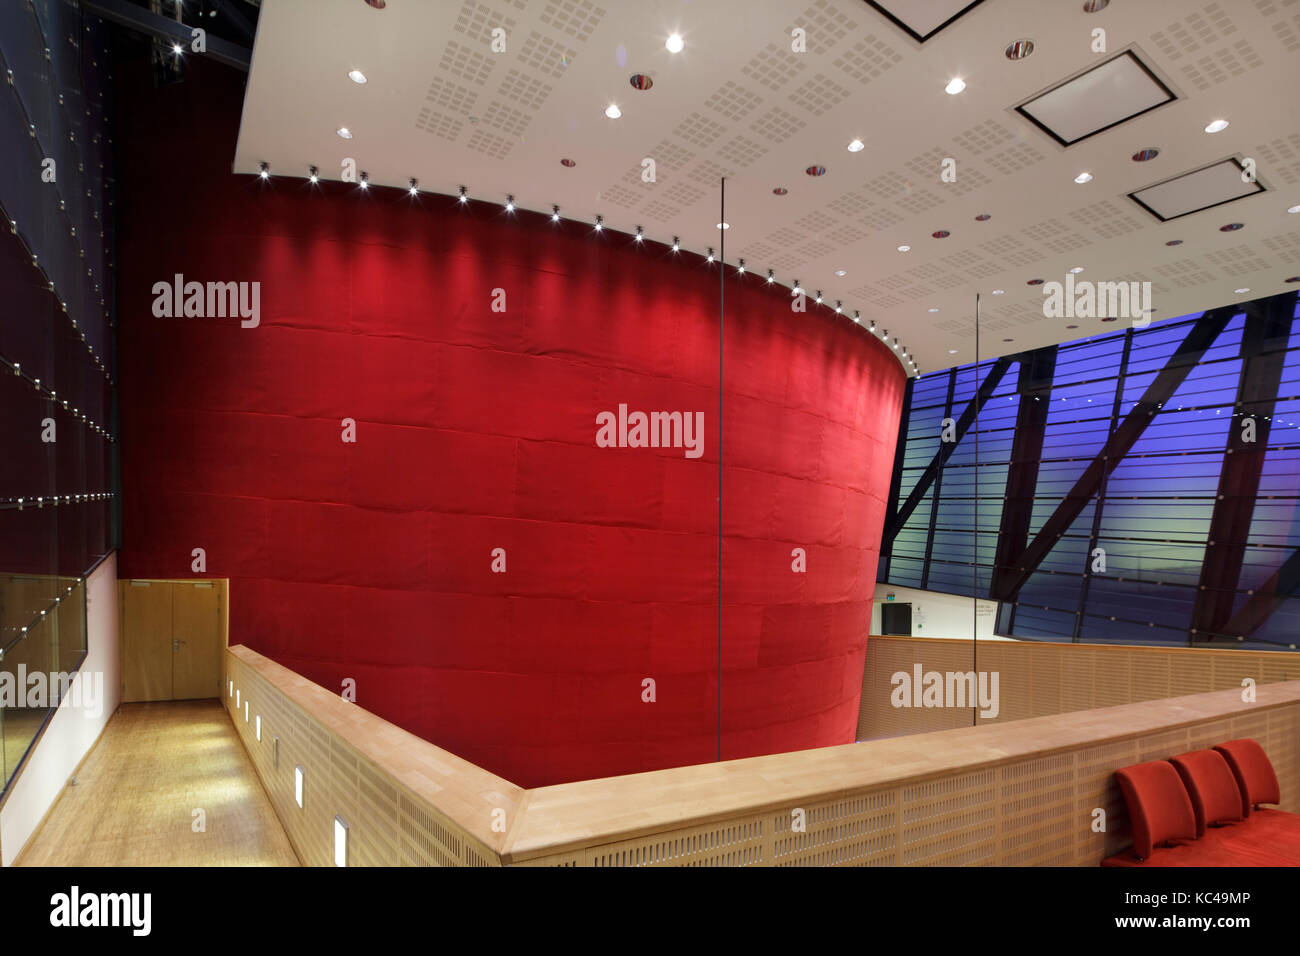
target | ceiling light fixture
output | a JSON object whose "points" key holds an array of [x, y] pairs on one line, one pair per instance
{"points": [[740, 268], [510, 204], [414, 188], [724, 225], [313, 175], [770, 276], [904, 248], [857, 146], [934, 310], [1095, 6], [1084, 177], [1293, 210], [356, 76], [674, 43], [641, 81], [265, 171], [999, 292], [555, 214], [365, 179], [816, 170], [1076, 270], [176, 49], [839, 307], [955, 86], [1019, 49], [677, 244], [710, 258], [639, 234], [1218, 126], [1241, 291], [983, 217], [463, 197], [600, 224], [1146, 155], [567, 163], [780, 191], [841, 272], [344, 132], [612, 111], [819, 296]]}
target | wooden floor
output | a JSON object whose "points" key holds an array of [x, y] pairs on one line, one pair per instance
{"points": [[137, 791]]}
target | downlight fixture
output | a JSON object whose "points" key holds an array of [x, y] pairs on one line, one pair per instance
{"points": [[1019, 49], [955, 86], [356, 76], [612, 111], [674, 43]]}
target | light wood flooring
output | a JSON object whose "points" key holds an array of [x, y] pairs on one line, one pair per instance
{"points": [[137, 790]]}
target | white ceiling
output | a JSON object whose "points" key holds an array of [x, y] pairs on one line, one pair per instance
{"points": [[442, 107]]}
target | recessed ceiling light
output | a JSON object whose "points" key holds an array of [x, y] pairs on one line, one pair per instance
{"points": [[1146, 155], [999, 292], [344, 132], [641, 81], [780, 191], [1111, 319], [841, 272], [1095, 6], [1076, 270], [1174, 242], [1241, 291], [1034, 282], [983, 217], [1008, 340], [724, 225], [857, 146], [1232, 227], [1019, 49], [1293, 210], [934, 310], [904, 248], [568, 162], [1292, 279], [674, 43], [1084, 177], [612, 111], [952, 351], [955, 86], [940, 234], [377, 4], [356, 76], [1071, 326], [816, 170], [1217, 126]]}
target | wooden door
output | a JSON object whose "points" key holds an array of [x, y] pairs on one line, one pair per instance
{"points": [[146, 640], [173, 638], [196, 639]]}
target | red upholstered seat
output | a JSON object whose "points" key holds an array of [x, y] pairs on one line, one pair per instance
{"points": [[1253, 772], [1158, 805], [1220, 787], [1216, 798]]}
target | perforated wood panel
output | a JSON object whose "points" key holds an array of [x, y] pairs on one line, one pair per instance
{"points": [[1041, 810], [388, 825], [1036, 680]]}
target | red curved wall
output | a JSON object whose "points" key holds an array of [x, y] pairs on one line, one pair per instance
{"points": [[476, 430]]}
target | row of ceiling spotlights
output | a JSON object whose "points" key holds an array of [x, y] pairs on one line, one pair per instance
{"points": [[413, 188]]}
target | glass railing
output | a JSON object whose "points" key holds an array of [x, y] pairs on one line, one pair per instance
{"points": [[42, 643]]}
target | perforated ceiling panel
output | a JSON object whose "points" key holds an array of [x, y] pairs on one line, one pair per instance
{"points": [[445, 106]]}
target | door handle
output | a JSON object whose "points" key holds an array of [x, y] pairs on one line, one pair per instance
{"points": [[176, 644]]}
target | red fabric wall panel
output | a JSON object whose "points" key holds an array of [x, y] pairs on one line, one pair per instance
{"points": [[475, 430]]}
